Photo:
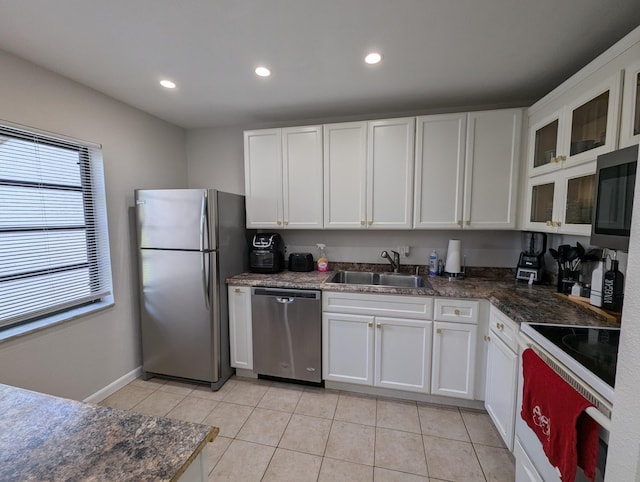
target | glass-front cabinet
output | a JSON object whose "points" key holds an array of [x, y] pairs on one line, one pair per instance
{"points": [[579, 131], [562, 202], [630, 126]]}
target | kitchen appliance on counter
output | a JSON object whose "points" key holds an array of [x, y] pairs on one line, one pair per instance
{"points": [[287, 333], [301, 262], [266, 253], [189, 242], [531, 261], [585, 357]]}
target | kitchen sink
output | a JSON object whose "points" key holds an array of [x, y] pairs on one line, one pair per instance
{"points": [[398, 280]]}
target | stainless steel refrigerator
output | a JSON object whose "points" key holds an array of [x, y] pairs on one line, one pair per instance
{"points": [[189, 242]]}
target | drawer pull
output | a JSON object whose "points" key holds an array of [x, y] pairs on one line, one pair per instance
{"points": [[439, 331], [237, 290], [500, 326], [487, 338], [456, 312]]}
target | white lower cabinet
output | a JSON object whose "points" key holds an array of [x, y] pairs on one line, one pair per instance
{"points": [[502, 374], [365, 344], [240, 329], [454, 357], [525, 470]]}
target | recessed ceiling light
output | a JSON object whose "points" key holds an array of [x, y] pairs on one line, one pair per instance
{"points": [[167, 84], [373, 58], [263, 71]]}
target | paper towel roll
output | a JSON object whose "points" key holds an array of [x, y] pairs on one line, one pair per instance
{"points": [[453, 257]]}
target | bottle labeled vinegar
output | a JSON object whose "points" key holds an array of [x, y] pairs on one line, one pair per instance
{"points": [[613, 288]]}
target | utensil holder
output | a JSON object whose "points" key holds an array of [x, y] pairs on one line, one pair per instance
{"points": [[566, 279]]}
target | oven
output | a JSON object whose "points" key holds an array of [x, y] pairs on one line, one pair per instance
{"points": [[585, 357]]}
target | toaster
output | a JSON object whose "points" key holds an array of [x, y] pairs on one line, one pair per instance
{"points": [[300, 262]]}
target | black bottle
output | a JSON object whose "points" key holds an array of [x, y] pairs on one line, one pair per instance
{"points": [[613, 288]]}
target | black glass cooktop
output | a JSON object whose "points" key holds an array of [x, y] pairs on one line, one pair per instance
{"points": [[594, 348]]}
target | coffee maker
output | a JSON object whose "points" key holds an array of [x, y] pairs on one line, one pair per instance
{"points": [[266, 253], [531, 261]]}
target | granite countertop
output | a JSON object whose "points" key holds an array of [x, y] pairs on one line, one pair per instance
{"points": [[46, 438], [518, 300]]}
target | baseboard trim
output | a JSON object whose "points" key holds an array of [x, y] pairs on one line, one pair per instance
{"points": [[114, 387]]}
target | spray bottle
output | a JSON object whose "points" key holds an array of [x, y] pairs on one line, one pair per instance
{"points": [[323, 262]]}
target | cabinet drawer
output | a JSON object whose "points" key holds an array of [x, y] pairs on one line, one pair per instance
{"points": [[420, 307], [459, 311], [504, 328]]}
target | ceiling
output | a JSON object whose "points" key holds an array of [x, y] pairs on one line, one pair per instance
{"points": [[437, 54]]}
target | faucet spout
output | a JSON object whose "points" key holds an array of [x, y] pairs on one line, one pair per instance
{"points": [[395, 261]]}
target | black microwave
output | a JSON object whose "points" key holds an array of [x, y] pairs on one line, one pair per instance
{"points": [[615, 184]]}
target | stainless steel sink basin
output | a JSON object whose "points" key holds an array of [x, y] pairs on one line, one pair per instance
{"points": [[398, 280]]}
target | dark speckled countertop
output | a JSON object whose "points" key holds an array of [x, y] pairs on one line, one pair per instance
{"points": [[46, 438], [518, 300]]}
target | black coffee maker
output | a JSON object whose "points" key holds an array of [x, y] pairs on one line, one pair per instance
{"points": [[531, 262], [266, 253]]}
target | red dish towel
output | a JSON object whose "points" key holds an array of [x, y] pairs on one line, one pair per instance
{"points": [[555, 412]]}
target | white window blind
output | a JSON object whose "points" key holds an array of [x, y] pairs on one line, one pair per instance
{"points": [[54, 248]]}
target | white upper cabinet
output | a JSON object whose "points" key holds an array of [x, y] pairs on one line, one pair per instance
{"points": [[302, 175], [577, 132], [390, 151], [345, 175], [439, 177], [283, 178], [630, 125], [263, 178], [467, 170], [368, 174], [491, 169]]}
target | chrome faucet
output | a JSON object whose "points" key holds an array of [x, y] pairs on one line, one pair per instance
{"points": [[395, 262]]}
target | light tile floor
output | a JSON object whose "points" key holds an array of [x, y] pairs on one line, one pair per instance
{"points": [[273, 431]]}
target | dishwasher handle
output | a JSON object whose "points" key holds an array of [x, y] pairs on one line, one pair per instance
{"points": [[284, 301], [285, 294]]}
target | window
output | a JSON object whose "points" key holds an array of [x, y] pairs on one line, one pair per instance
{"points": [[54, 248]]}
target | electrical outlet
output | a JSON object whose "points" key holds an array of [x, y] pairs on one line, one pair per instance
{"points": [[403, 250]]}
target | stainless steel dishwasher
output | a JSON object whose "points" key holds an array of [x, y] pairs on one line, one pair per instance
{"points": [[287, 333]]}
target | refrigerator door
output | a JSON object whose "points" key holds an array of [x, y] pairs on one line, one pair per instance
{"points": [[179, 313], [173, 219]]}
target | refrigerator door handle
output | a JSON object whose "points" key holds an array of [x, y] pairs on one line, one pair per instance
{"points": [[203, 222], [204, 256]]}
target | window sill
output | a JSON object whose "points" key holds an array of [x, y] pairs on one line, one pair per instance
{"points": [[29, 328]]}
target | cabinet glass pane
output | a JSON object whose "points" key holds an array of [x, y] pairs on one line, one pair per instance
{"points": [[580, 193], [589, 125], [636, 108], [542, 203], [546, 141]]}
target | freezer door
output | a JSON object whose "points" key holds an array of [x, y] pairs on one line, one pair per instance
{"points": [[173, 219], [177, 319]]}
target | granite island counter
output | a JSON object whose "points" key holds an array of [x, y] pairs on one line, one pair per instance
{"points": [[46, 438]]}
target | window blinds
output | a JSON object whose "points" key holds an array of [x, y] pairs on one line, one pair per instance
{"points": [[54, 248]]}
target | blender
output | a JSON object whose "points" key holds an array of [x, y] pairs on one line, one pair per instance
{"points": [[531, 261]]}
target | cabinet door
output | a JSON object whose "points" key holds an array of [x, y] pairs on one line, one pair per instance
{"points": [[591, 126], [347, 348], [577, 193], [302, 176], [501, 387], [491, 169], [454, 357], [240, 331], [630, 125], [541, 210], [263, 178], [439, 174], [390, 152], [345, 178], [545, 144], [403, 354]]}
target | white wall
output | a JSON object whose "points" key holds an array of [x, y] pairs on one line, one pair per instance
{"points": [[78, 358]]}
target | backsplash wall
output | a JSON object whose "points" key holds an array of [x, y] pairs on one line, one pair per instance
{"points": [[480, 248]]}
